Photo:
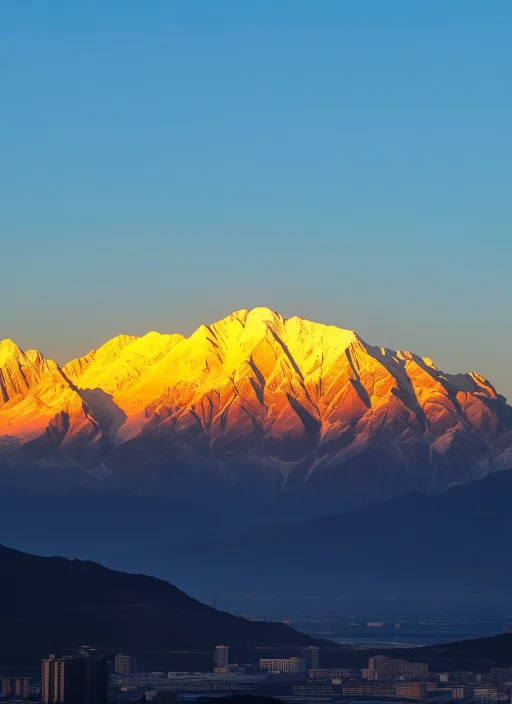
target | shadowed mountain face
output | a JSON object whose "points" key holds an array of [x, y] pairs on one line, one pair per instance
{"points": [[50, 604], [450, 549], [254, 408]]}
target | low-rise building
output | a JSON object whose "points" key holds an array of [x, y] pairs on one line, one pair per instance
{"points": [[501, 674], [413, 691], [374, 689], [290, 665], [461, 692], [485, 694], [331, 673], [312, 688], [382, 667]]}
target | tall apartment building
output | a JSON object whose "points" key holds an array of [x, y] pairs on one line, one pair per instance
{"points": [[221, 656], [290, 665], [124, 664], [6, 686], [52, 680], [22, 687], [312, 657], [75, 679]]}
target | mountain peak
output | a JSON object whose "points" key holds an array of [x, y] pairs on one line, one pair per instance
{"points": [[8, 349], [263, 313]]}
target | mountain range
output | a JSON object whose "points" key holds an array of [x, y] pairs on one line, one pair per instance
{"points": [[448, 550], [252, 410], [417, 551]]}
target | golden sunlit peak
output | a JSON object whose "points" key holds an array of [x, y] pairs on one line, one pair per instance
{"points": [[8, 348], [253, 383], [257, 314], [262, 312]]}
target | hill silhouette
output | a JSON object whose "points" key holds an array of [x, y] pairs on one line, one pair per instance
{"points": [[54, 605]]}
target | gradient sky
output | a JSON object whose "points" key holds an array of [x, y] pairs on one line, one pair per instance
{"points": [[164, 163]]}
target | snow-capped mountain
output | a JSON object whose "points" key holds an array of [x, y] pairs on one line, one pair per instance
{"points": [[253, 407]]}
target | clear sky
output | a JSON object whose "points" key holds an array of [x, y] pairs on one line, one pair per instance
{"points": [[164, 163]]}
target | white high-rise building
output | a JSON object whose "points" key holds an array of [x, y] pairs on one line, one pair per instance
{"points": [[221, 656]]}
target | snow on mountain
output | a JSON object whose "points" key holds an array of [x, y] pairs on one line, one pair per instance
{"points": [[253, 406]]}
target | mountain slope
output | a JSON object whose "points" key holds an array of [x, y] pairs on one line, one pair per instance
{"points": [[451, 548], [472, 655], [50, 604], [253, 408], [44, 421]]}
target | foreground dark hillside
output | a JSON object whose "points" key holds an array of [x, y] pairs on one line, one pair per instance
{"points": [[53, 605]]}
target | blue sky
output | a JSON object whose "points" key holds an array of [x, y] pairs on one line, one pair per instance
{"points": [[165, 163]]}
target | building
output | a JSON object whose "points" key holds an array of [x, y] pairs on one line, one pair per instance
{"points": [[381, 667], [369, 674], [22, 687], [485, 694], [413, 691], [190, 682], [331, 673], [377, 689], [6, 686], [221, 656], [500, 674], [290, 665], [75, 679], [461, 692], [233, 669], [312, 657], [310, 688], [465, 678], [124, 664], [416, 669], [52, 680]]}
